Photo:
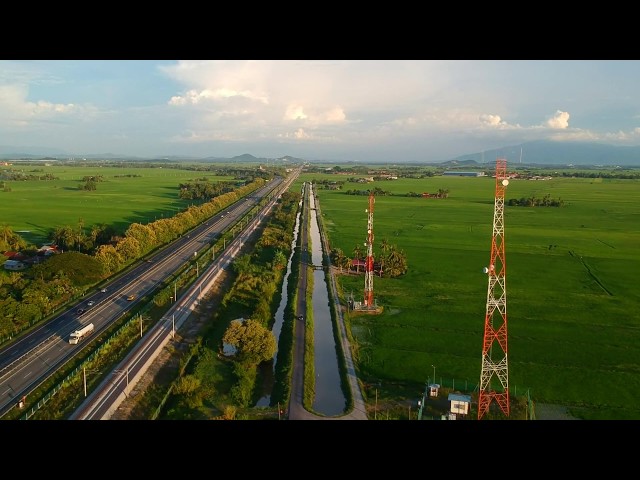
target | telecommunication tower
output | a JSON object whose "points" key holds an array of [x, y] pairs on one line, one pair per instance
{"points": [[494, 346], [368, 270]]}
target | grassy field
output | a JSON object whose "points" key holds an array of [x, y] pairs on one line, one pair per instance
{"points": [[572, 304], [127, 195]]}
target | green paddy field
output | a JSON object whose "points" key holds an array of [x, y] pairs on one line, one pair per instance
{"points": [[572, 299], [125, 195]]}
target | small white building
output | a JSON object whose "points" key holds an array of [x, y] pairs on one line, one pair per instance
{"points": [[14, 265], [460, 404], [433, 389]]}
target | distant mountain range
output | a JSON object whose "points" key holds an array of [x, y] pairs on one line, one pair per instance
{"points": [[541, 152], [544, 152]]}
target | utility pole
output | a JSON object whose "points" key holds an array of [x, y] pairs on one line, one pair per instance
{"points": [[375, 411]]}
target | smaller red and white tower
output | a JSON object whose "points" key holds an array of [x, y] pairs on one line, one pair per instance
{"points": [[368, 270]]}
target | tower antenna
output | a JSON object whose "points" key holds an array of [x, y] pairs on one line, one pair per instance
{"points": [[494, 360], [368, 269]]}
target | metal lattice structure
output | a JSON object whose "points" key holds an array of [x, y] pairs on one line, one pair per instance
{"points": [[495, 371], [368, 270]]}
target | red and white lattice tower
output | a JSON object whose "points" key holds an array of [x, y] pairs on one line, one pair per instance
{"points": [[494, 346], [368, 269]]}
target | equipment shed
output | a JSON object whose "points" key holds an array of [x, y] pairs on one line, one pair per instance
{"points": [[459, 403]]}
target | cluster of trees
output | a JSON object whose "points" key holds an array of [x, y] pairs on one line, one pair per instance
{"points": [[534, 201], [91, 182], [621, 175], [203, 189], [441, 193], [377, 191], [11, 174], [80, 239], [10, 241], [391, 263]]}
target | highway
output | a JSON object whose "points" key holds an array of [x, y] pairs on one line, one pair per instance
{"points": [[105, 399], [31, 359]]}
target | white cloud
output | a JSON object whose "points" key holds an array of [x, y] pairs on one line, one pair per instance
{"points": [[194, 97], [295, 112], [559, 120], [492, 120], [301, 134], [16, 110]]}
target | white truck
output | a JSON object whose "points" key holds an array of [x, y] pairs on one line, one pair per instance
{"points": [[78, 335]]}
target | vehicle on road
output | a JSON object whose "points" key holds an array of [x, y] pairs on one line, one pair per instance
{"points": [[78, 335], [80, 311], [104, 290], [131, 297], [91, 303]]}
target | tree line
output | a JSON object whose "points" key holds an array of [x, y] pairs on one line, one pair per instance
{"points": [[534, 201]]}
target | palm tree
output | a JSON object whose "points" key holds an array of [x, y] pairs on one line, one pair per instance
{"points": [[357, 254]]}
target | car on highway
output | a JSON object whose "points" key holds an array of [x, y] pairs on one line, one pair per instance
{"points": [[104, 290], [91, 303], [80, 311], [131, 297]]}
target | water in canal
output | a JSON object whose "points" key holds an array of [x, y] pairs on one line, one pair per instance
{"points": [[329, 398]]}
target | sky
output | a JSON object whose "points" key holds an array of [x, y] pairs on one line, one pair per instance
{"points": [[335, 110]]}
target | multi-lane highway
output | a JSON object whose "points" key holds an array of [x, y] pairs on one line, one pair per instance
{"points": [[105, 399], [27, 362]]}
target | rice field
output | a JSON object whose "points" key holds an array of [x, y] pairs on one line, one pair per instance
{"points": [[572, 301], [125, 195]]}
